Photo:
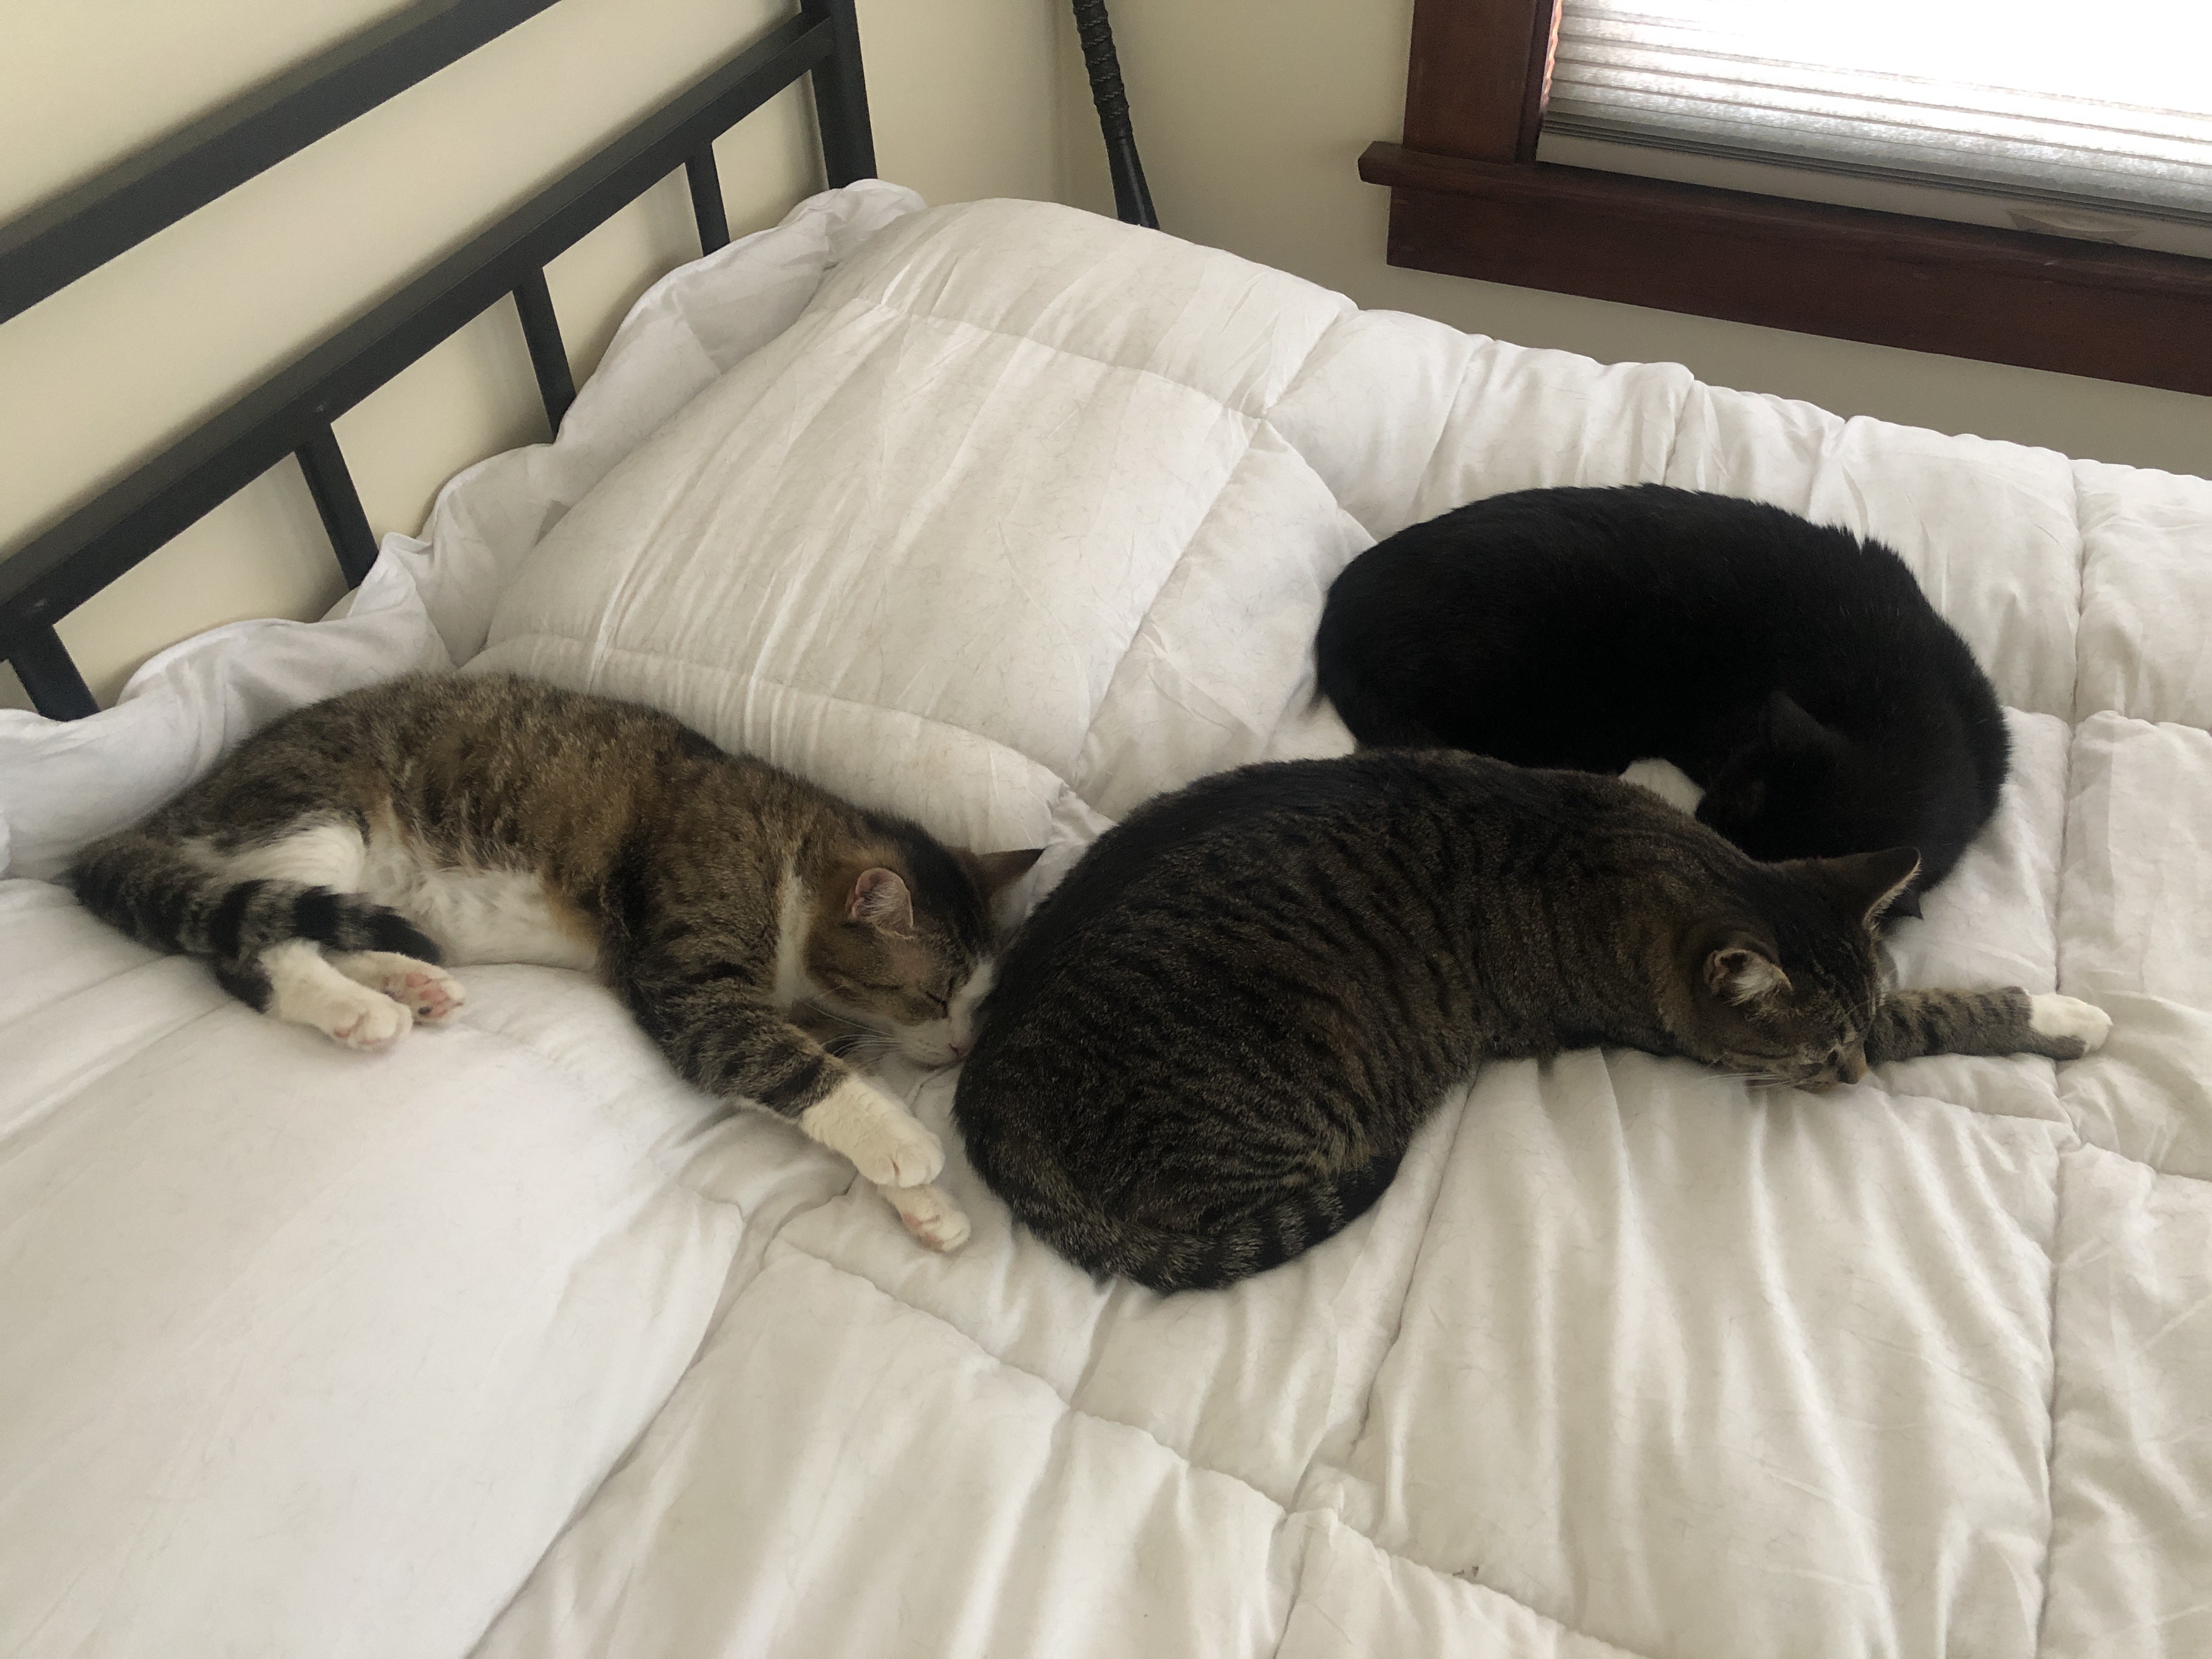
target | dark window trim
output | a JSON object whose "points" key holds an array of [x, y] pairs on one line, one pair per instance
{"points": [[1467, 199]]}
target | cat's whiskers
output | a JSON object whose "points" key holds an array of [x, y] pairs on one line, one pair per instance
{"points": [[858, 1044], [1760, 1077]]}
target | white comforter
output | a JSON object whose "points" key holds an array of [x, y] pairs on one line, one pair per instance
{"points": [[507, 1342]]}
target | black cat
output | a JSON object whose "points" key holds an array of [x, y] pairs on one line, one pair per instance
{"points": [[1793, 671]]}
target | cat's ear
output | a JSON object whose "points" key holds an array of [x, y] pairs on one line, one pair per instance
{"points": [[1740, 967], [1791, 730], [996, 871], [879, 897], [1870, 885]]}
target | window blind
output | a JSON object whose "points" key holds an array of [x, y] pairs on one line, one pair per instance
{"points": [[2108, 104]]}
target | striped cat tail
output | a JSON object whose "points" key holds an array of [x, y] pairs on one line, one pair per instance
{"points": [[163, 896], [1268, 1235]]}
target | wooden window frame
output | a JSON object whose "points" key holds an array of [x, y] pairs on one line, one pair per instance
{"points": [[1468, 198]]}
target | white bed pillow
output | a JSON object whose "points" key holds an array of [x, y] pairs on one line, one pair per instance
{"points": [[997, 535]]}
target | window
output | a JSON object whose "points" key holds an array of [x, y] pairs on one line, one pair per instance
{"points": [[1532, 139], [1979, 93]]}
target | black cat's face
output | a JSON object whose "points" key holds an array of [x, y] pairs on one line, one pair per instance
{"points": [[1771, 803], [1788, 996], [1799, 787]]}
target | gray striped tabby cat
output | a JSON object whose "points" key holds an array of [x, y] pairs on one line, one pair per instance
{"points": [[1210, 1047], [753, 923]]}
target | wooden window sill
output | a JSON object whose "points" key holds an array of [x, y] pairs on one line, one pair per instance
{"points": [[2004, 296]]}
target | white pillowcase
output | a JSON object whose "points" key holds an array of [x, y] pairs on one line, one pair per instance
{"points": [[997, 535]]}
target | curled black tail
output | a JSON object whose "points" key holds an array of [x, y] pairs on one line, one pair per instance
{"points": [[163, 896], [1342, 667], [1268, 1235]]}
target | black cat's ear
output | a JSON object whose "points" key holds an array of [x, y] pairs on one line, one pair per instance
{"points": [[1791, 730], [1740, 967], [1870, 885], [996, 871], [880, 898]]}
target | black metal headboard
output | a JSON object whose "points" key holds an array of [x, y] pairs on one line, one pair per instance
{"points": [[290, 413]]}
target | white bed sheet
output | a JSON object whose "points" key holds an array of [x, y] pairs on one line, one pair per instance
{"points": [[1026, 516]]}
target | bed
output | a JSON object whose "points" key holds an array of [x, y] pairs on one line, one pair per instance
{"points": [[1007, 516]]}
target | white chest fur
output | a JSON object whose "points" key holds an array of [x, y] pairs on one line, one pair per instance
{"points": [[794, 910], [1667, 781]]}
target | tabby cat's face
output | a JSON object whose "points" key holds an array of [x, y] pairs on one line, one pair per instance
{"points": [[912, 968], [1788, 995]]}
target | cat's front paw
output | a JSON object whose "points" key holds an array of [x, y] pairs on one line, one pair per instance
{"points": [[2067, 1021], [929, 1215], [882, 1138], [899, 1152]]}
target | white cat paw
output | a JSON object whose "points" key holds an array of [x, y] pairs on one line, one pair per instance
{"points": [[885, 1143], [2054, 1016], [1667, 781], [899, 1153], [929, 1215], [427, 991]]}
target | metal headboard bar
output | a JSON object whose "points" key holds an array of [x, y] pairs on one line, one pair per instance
{"points": [[330, 481], [840, 98], [707, 201], [42, 663], [1132, 198], [50, 247], [291, 412], [548, 357]]}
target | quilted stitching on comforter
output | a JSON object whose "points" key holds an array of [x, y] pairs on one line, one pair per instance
{"points": [[1629, 1355], [1028, 516]]}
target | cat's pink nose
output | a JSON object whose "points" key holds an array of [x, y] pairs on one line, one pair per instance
{"points": [[960, 1046]]}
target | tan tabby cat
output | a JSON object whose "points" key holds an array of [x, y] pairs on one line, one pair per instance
{"points": [[342, 853], [1211, 1045]]}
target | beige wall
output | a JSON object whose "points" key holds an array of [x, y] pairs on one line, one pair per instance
{"points": [[964, 94], [1251, 115]]}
